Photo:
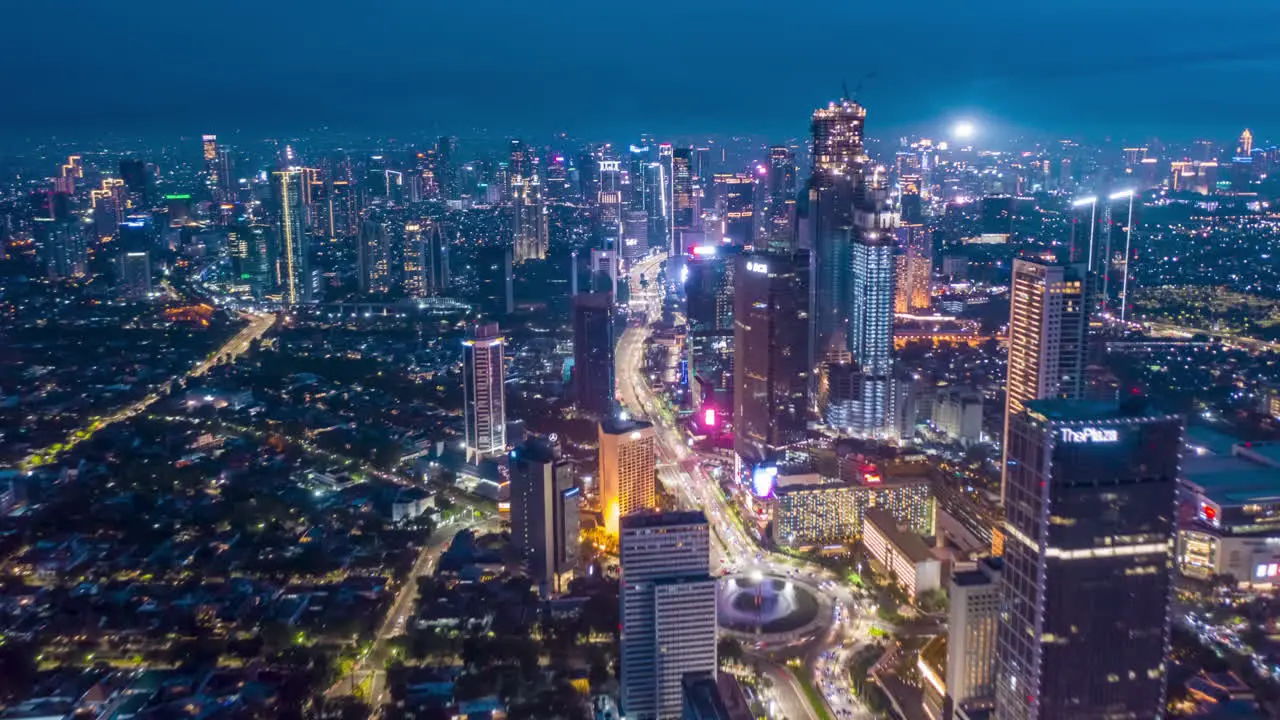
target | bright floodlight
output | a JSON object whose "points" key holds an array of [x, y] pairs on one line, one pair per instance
{"points": [[1121, 194], [964, 129], [1084, 201]]}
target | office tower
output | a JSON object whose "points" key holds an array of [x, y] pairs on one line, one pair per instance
{"points": [[373, 257], [668, 610], [416, 257], [135, 274], [627, 472], [1085, 595], [871, 331], [1246, 144], [251, 249], [544, 513], [684, 210], [446, 170], [484, 394], [637, 192], [657, 189], [519, 165], [910, 202], [709, 320], [735, 198], [973, 616], [593, 371], [529, 219], [635, 234], [136, 180], [1048, 328], [509, 281], [61, 244], [709, 696], [609, 204], [666, 162], [914, 268], [778, 224], [209, 144], [771, 371], [343, 208], [838, 161], [292, 263], [436, 247]]}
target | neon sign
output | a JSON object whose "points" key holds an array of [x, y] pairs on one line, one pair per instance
{"points": [[758, 267], [1090, 435]]}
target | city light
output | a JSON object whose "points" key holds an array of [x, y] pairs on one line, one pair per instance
{"points": [[964, 130], [1121, 194], [1084, 201]]}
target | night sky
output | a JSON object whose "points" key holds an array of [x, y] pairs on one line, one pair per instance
{"points": [[1128, 68]]}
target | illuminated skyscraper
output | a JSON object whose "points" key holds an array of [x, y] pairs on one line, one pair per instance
{"points": [[666, 161], [593, 371], [657, 191], [627, 472], [61, 244], [871, 330], [709, 300], [668, 611], [735, 203], [252, 249], [914, 268], [529, 217], [544, 513], [837, 140], [635, 234], [771, 371], [416, 259], [135, 274], [1048, 328], [210, 147], [446, 170], [1086, 592], [778, 223], [684, 209], [292, 263], [484, 394], [373, 256]]}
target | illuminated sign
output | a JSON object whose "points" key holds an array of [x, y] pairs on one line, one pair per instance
{"points": [[1090, 435], [763, 479], [709, 417], [1266, 571], [631, 242], [704, 250], [1209, 512], [758, 267]]}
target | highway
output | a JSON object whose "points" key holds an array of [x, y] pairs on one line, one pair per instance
{"points": [[228, 351], [735, 550]]}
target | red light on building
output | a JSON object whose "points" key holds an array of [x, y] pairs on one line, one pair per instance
{"points": [[709, 417], [1210, 512]]}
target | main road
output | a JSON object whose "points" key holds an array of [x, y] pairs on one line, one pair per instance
{"points": [[258, 325], [735, 549]]}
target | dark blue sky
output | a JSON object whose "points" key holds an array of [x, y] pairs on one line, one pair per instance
{"points": [[1132, 68]]}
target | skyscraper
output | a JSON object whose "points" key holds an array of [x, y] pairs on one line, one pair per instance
{"points": [[771, 371], [709, 318], [684, 211], [914, 267], [1086, 591], [593, 371], [446, 170], [373, 256], [62, 246], [735, 204], [135, 274], [484, 394], [635, 234], [529, 219], [627, 472], [871, 330], [544, 513], [666, 162], [668, 610], [292, 263], [1048, 328], [838, 161], [778, 224], [972, 619]]}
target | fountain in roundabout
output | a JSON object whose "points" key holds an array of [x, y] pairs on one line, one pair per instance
{"points": [[761, 604]]}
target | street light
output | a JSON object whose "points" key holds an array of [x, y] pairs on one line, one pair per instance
{"points": [[1128, 237]]}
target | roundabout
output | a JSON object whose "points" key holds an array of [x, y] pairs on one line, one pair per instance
{"points": [[759, 605]]}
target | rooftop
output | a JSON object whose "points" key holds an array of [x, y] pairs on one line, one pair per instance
{"points": [[618, 426], [1056, 410], [1234, 479], [909, 543], [636, 521]]}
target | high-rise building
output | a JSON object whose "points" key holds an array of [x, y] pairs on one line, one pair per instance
{"points": [[666, 165], [684, 208], [251, 249], [635, 234], [1048, 328], [1086, 591], [709, 318], [446, 170], [416, 257], [972, 619], [668, 610], [838, 162], [135, 274], [215, 179], [529, 219], [373, 256], [628, 469], [871, 331], [778, 224], [484, 394], [735, 195], [593, 371], [914, 267], [292, 263], [771, 370], [544, 513], [61, 244]]}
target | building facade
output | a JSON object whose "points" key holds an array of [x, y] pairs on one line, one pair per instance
{"points": [[544, 514], [484, 392], [628, 469]]}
